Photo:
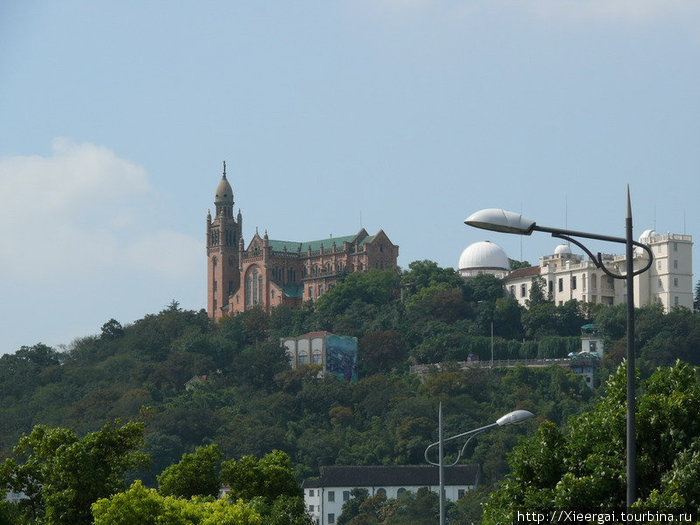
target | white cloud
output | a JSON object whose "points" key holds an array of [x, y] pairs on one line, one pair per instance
{"points": [[79, 211]]}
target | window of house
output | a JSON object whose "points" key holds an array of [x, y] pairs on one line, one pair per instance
{"points": [[311, 508], [381, 491], [331, 517], [675, 300], [346, 495], [675, 282], [523, 290], [550, 286], [573, 282], [331, 495], [675, 246], [460, 493], [311, 493], [512, 291], [400, 491], [675, 264], [561, 284]]}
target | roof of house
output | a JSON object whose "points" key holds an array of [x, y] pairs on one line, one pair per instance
{"points": [[523, 272], [392, 476], [296, 291], [304, 246]]}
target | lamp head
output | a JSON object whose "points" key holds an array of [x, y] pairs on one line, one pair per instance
{"points": [[502, 221], [514, 417]]}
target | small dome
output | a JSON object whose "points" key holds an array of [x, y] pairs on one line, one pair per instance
{"points": [[562, 249], [224, 192], [647, 234], [483, 255]]}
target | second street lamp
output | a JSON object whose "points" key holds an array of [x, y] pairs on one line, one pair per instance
{"points": [[510, 418], [511, 222]]}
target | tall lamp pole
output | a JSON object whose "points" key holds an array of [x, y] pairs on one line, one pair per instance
{"points": [[512, 222], [510, 418]]}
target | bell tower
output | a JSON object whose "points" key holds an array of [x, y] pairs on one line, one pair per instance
{"points": [[223, 236]]}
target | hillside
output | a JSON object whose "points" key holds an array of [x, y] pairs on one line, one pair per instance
{"points": [[248, 400]]}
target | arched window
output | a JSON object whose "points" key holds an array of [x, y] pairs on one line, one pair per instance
{"points": [[253, 287], [381, 491]]}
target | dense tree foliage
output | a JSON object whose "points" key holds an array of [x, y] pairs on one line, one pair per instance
{"points": [[195, 384], [584, 466], [149, 507], [196, 474], [61, 475]]}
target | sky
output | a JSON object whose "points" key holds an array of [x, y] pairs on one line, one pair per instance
{"points": [[401, 115]]}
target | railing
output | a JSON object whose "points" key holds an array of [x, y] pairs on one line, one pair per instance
{"points": [[508, 363]]}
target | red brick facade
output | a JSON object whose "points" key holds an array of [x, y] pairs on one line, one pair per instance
{"points": [[270, 273]]}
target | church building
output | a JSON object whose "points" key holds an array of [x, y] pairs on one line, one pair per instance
{"points": [[270, 272]]}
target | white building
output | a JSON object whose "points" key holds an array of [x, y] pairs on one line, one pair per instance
{"points": [[324, 496], [565, 275]]}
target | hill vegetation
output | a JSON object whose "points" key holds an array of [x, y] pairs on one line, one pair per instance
{"points": [[247, 401]]}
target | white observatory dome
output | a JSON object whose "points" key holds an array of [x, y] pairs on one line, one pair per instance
{"points": [[483, 257], [646, 235], [562, 249]]}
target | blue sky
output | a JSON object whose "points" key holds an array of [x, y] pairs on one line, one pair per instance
{"points": [[407, 115]]}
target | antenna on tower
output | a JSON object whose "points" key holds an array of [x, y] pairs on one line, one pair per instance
{"points": [[566, 216], [224, 169], [684, 233]]}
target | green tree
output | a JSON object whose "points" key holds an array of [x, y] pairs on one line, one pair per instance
{"points": [[584, 465], [537, 294], [351, 507], [420, 508], [380, 351], [375, 287], [143, 506], [112, 329], [270, 485], [437, 303], [426, 274], [484, 287], [195, 475], [515, 264], [62, 474], [269, 477]]}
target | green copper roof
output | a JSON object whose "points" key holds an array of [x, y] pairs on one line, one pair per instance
{"points": [[293, 246], [293, 291]]}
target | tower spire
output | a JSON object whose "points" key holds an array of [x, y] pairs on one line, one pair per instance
{"points": [[224, 169]]}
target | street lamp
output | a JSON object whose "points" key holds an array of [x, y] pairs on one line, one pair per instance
{"points": [[510, 418], [512, 222]]}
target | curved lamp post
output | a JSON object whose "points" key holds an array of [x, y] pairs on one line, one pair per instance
{"points": [[510, 418], [512, 222]]}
